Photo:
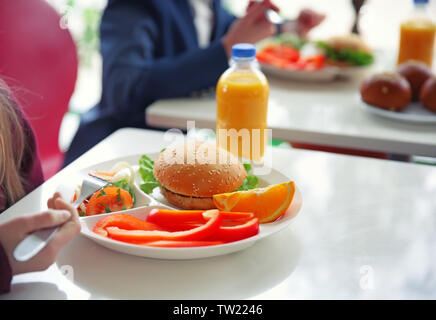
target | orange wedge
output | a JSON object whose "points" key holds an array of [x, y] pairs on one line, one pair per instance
{"points": [[268, 204], [105, 175]]}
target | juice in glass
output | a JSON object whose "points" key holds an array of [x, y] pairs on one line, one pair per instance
{"points": [[242, 106]]}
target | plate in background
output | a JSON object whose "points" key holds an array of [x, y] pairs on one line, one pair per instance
{"points": [[328, 73], [414, 113]]}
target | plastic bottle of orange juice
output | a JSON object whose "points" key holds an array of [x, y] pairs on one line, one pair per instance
{"points": [[417, 35], [242, 105]]}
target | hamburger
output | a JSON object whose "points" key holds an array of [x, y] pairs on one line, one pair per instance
{"points": [[346, 50], [190, 174]]}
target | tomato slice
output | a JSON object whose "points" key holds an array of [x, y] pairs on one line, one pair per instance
{"points": [[140, 236], [181, 244], [109, 199], [123, 221]]}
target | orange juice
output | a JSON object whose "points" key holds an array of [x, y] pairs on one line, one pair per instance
{"points": [[242, 105], [417, 41]]}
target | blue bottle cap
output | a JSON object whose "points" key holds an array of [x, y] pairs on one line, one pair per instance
{"points": [[243, 50], [420, 1]]}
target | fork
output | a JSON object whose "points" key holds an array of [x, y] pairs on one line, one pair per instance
{"points": [[36, 241], [274, 17]]}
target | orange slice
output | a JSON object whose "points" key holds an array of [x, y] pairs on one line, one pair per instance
{"points": [[268, 203], [104, 175]]}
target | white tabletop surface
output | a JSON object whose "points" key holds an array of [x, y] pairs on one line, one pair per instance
{"points": [[367, 229], [327, 114]]}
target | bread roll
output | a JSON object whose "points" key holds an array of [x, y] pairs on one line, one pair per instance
{"points": [[428, 94], [416, 73], [387, 90]]}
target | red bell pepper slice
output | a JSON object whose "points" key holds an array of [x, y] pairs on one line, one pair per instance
{"points": [[188, 219], [315, 62], [181, 244], [269, 49], [123, 221], [270, 58], [188, 226], [140, 236], [289, 53], [228, 231], [238, 232]]}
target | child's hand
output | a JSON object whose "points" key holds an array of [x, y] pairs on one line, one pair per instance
{"points": [[251, 28], [59, 213], [307, 20]]}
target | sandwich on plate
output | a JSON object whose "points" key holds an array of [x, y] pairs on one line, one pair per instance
{"points": [[190, 174], [346, 51]]}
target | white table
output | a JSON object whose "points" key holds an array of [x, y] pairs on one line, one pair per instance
{"points": [[367, 230], [327, 114]]}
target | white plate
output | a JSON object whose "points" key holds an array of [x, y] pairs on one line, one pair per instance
{"points": [[328, 73], [414, 113], [184, 253]]}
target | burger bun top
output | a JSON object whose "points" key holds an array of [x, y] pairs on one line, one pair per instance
{"points": [[198, 169]]}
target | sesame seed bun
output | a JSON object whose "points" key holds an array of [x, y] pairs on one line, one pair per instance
{"points": [[350, 42], [193, 172]]}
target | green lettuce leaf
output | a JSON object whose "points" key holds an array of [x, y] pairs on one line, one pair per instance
{"points": [[251, 181], [357, 58], [291, 39], [123, 184], [146, 172], [149, 186]]}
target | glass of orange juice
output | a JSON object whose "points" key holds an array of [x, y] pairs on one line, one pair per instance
{"points": [[242, 105]]}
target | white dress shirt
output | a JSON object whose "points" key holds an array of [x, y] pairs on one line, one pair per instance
{"points": [[203, 20]]}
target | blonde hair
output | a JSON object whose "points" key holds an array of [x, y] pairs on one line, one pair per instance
{"points": [[12, 147]]}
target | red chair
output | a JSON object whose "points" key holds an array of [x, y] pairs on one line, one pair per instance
{"points": [[38, 61]]}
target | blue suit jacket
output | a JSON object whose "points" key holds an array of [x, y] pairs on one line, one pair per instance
{"points": [[150, 51]]}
